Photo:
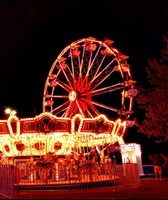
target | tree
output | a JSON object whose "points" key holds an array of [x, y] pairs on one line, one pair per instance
{"points": [[152, 99]]}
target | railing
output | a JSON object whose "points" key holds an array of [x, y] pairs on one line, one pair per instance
{"points": [[87, 175], [65, 177], [6, 181]]}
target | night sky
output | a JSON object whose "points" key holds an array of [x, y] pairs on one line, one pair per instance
{"points": [[33, 33]]}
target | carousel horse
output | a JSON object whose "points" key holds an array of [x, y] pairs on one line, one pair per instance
{"points": [[89, 165], [46, 161], [44, 164]]}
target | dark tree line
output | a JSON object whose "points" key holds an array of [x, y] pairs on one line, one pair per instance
{"points": [[152, 99]]}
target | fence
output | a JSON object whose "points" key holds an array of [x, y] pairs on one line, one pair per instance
{"points": [[6, 181], [65, 177]]}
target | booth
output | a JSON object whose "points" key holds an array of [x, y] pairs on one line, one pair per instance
{"points": [[132, 161]]}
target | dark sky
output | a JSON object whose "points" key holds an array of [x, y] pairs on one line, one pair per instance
{"points": [[33, 33]]}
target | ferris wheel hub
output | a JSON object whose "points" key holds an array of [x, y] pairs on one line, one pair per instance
{"points": [[72, 96]]}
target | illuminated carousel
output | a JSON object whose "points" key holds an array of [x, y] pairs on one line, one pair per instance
{"points": [[87, 106]]}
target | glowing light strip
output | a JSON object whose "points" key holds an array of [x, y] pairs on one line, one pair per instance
{"points": [[67, 139], [10, 127]]}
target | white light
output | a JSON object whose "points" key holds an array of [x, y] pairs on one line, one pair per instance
{"points": [[8, 111]]}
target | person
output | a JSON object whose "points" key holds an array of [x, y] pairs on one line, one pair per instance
{"points": [[157, 163], [165, 164]]}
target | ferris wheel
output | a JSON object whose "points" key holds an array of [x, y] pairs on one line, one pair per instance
{"points": [[90, 77]]}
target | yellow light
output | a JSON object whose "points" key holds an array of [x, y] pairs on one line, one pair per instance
{"points": [[13, 112]]}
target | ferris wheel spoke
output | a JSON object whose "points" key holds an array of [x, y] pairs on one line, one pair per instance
{"points": [[104, 90], [77, 55], [94, 110], [106, 69], [75, 61], [91, 106], [64, 86], [61, 111], [72, 110], [105, 106], [68, 110], [71, 75], [98, 68], [65, 74], [79, 65], [61, 107], [82, 61], [92, 61], [85, 107], [72, 64], [89, 113], [79, 107], [102, 76], [56, 96], [103, 79]]}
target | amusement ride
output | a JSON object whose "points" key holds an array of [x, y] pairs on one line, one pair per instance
{"points": [[87, 105]]}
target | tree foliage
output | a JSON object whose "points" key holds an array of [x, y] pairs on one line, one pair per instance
{"points": [[152, 99]]}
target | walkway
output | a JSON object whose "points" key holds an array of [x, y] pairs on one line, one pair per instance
{"points": [[149, 188]]}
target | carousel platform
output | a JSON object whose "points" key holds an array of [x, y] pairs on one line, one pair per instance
{"points": [[65, 186]]}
